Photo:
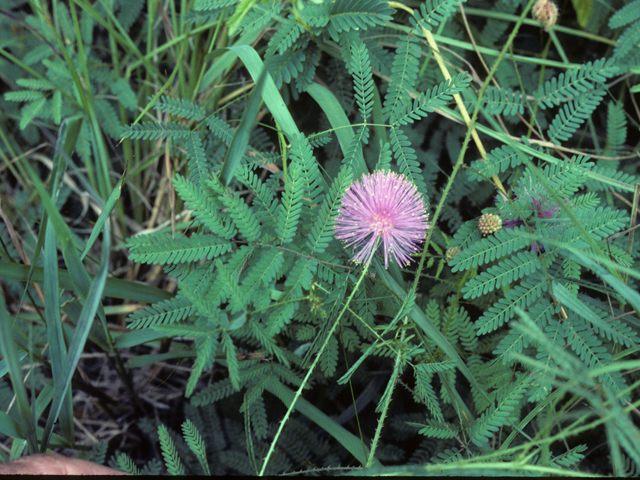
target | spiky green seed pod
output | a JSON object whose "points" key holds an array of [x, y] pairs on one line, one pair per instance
{"points": [[451, 252], [489, 223]]}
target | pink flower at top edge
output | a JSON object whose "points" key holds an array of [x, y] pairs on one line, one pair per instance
{"points": [[386, 206]]}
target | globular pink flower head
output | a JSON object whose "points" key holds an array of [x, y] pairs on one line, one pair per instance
{"points": [[386, 206]]}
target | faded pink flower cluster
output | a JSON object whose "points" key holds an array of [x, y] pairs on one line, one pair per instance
{"points": [[386, 206]]}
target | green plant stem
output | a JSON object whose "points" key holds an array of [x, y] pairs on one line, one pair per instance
{"points": [[388, 394], [317, 359]]}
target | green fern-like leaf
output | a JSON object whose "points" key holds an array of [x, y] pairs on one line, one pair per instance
{"points": [[329, 359], [566, 176], [616, 128], [496, 417], [167, 311], [322, 230], [360, 69], [163, 248], [499, 101], [285, 36], [265, 196], [505, 273], [128, 14], [404, 73], [447, 456], [441, 429], [206, 347], [264, 267], [600, 223], [123, 91], [260, 16], [426, 393], [572, 115], [23, 96], [627, 41], [313, 183], [180, 108], [299, 279], [434, 12], [520, 296], [155, 131], [626, 15], [574, 83], [205, 208], [261, 334], [109, 119], [291, 206], [243, 217], [32, 84], [287, 66], [406, 158], [213, 393], [491, 248], [232, 360], [98, 452], [498, 160], [621, 332], [213, 4], [351, 15], [569, 458], [220, 128], [258, 413], [436, 97], [125, 464], [308, 73], [198, 165], [466, 235], [31, 111], [169, 453], [592, 352]]}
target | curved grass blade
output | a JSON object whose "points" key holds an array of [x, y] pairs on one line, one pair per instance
{"points": [[89, 310], [8, 349], [106, 211], [270, 94], [240, 140], [57, 347], [114, 288]]}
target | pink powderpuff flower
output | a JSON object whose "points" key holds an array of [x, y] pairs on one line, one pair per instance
{"points": [[386, 206]]}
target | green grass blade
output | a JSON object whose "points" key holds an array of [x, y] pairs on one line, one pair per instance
{"points": [[137, 337], [338, 119], [227, 59], [9, 353], [17, 448], [10, 427], [241, 136], [115, 287], [270, 93], [57, 347], [89, 310], [106, 211]]}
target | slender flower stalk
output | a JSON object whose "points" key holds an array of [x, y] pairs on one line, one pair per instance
{"points": [[382, 206]]}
